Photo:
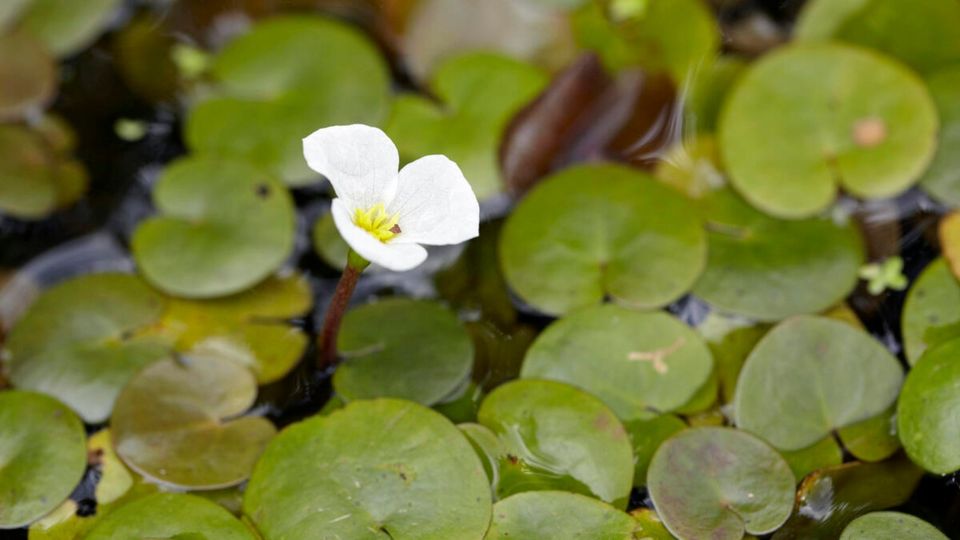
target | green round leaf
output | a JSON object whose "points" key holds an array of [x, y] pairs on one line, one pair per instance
{"points": [[676, 36], [890, 526], [375, 469], [769, 269], [593, 231], [250, 328], [719, 483], [66, 27], [281, 81], [808, 119], [176, 423], [28, 72], [175, 516], [558, 437], [480, 94], [402, 348], [42, 456], [558, 515], [223, 227], [942, 179], [921, 33], [83, 339], [931, 313], [811, 375], [638, 363], [927, 411]]}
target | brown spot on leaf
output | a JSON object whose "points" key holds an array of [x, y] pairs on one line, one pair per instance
{"points": [[263, 191], [869, 132]]}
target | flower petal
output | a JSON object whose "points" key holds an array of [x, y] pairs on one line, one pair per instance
{"points": [[360, 161], [393, 256], [435, 203]]}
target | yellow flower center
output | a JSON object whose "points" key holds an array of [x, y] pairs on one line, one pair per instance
{"points": [[377, 222]]}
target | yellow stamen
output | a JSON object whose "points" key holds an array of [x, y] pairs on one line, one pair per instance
{"points": [[377, 222]]}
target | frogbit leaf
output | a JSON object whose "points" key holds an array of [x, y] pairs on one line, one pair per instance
{"points": [[223, 227], [402, 348], [719, 483], [558, 437], [178, 423], [42, 456], [83, 339], [811, 375], [807, 120], [593, 231], [376, 469], [640, 364]]}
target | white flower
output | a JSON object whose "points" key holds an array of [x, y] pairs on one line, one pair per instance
{"points": [[385, 216]]}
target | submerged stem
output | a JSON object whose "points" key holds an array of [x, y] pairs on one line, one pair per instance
{"points": [[338, 306]]}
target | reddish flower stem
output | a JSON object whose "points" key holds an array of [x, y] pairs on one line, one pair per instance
{"points": [[338, 306]]}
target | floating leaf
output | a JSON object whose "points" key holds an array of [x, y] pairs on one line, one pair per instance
{"points": [[890, 526], [558, 515], [82, 340], [375, 469], [143, 56], [250, 328], [176, 516], [647, 435], [807, 119], [927, 411], [278, 83], [942, 178], [830, 498], [42, 457], [29, 75], [638, 363], [821, 454], [677, 36], [949, 233], [811, 375], [593, 231], [921, 33], [36, 178], [558, 437], [730, 340], [873, 439], [525, 31], [769, 269], [480, 93], [719, 483], [223, 227], [66, 27], [931, 313], [402, 348], [176, 423]]}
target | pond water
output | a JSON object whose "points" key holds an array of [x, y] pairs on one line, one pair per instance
{"points": [[533, 105]]}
